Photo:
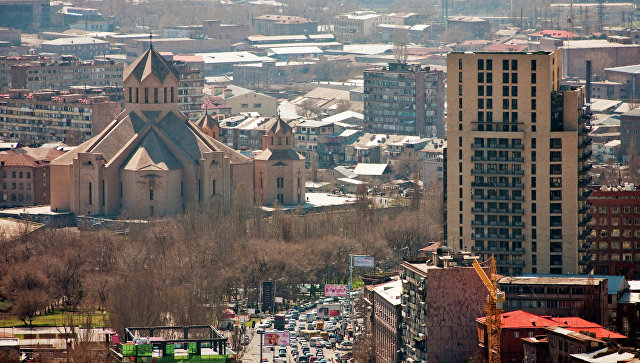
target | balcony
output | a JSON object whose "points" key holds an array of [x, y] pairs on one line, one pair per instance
{"points": [[585, 220], [497, 250], [583, 182], [496, 172], [497, 211], [497, 146], [585, 233], [496, 197], [501, 237], [584, 209], [493, 158], [585, 168], [498, 185], [586, 142], [585, 259], [585, 195], [497, 224], [585, 156], [584, 246], [507, 263]]}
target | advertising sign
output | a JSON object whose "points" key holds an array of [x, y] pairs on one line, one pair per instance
{"points": [[267, 296], [335, 290], [280, 338], [363, 261]]}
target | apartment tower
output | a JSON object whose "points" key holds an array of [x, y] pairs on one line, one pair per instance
{"points": [[404, 99], [516, 162]]}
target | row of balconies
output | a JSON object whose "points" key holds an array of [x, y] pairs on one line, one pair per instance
{"points": [[497, 250], [496, 172], [497, 146], [503, 237], [497, 223], [498, 185], [497, 210], [497, 197], [494, 158]]}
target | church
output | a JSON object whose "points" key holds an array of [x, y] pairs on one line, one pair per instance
{"points": [[151, 160]]}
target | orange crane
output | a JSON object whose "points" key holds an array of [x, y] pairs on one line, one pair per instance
{"points": [[493, 309]]}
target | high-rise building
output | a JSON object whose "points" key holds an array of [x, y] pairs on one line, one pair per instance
{"points": [[516, 162], [404, 99], [26, 15]]}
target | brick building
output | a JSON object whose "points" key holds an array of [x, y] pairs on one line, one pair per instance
{"points": [[629, 132], [616, 231], [81, 47], [441, 298], [387, 319], [404, 99], [38, 118], [24, 176]]}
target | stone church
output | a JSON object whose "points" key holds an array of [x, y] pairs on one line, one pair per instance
{"points": [[151, 161]]}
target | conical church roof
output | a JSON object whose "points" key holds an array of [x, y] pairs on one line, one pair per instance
{"points": [[207, 121], [280, 126], [151, 63]]}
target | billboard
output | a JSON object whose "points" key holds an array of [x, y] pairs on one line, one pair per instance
{"points": [[267, 296], [363, 261], [280, 338], [335, 290]]}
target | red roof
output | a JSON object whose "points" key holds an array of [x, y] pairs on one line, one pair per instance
{"points": [[520, 319], [13, 159], [555, 34]]}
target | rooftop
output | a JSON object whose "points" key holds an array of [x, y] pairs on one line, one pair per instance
{"points": [[74, 41], [390, 291]]}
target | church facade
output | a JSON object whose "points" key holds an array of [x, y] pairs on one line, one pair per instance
{"points": [[150, 161]]}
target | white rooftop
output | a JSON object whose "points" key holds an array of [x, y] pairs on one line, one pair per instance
{"points": [[74, 41], [232, 57]]}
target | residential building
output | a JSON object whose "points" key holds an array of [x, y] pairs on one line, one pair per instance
{"points": [[11, 35], [295, 53], [441, 298], [264, 74], [558, 296], [523, 137], [138, 46], [564, 342], [277, 24], [234, 32], [628, 314], [150, 161], [54, 116], [629, 131], [25, 176], [359, 24], [245, 131], [470, 26], [81, 47], [387, 321], [404, 99], [190, 90], [279, 169], [224, 62], [616, 231], [85, 19], [26, 15], [40, 74], [310, 133], [241, 100]]}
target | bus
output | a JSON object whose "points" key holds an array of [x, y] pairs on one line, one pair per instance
{"points": [[308, 334]]}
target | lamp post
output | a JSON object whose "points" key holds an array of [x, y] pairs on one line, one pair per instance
{"points": [[261, 332]]}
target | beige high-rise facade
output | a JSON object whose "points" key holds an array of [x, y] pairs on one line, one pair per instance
{"points": [[516, 162]]}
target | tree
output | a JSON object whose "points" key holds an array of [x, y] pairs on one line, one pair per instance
{"points": [[27, 286]]}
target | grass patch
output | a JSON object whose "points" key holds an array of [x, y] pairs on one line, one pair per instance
{"points": [[57, 318]]}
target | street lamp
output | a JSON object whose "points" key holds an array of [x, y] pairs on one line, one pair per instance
{"points": [[261, 332]]}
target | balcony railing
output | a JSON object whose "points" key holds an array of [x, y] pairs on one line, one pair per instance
{"points": [[497, 210], [497, 146], [494, 158], [497, 250], [502, 237], [497, 185], [496, 172], [496, 197]]}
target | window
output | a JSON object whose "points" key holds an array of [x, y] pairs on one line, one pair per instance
{"points": [[28, 175], [90, 194], [257, 105], [533, 104], [505, 91], [130, 93], [480, 90], [514, 104], [505, 77], [489, 91], [20, 175], [514, 77], [280, 182], [146, 95], [155, 95], [514, 91], [555, 143], [213, 187], [244, 105], [505, 104], [165, 95], [281, 198], [533, 91], [489, 64], [13, 174], [137, 95], [505, 65], [459, 63], [480, 64], [459, 76], [533, 78], [151, 194], [480, 77], [533, 64], [514, 65]]}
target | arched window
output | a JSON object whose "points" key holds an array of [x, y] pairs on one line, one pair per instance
{"points": [[90, 194]]}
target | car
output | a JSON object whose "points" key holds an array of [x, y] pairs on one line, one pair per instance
{"points": [[245, 340], [319, 344], [347, 343], [282, 352]]}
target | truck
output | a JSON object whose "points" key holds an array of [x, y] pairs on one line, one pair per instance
{"points": [[278, 323], [319, 325], [326, 311]]}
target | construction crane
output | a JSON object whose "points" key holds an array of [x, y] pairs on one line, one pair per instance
{"points": [[493, 309]]}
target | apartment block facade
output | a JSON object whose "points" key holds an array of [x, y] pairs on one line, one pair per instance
{"points": [[404, 99], [190, 91], [36, 75], [39, 118], [616, 231], [441, 298], [516, 162]]}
